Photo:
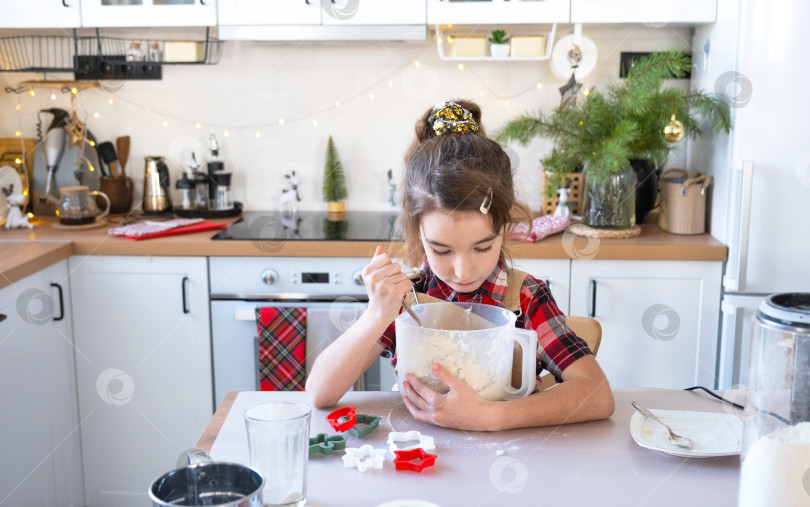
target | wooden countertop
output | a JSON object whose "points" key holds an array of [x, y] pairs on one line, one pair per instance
{"points": [[26, 251]]}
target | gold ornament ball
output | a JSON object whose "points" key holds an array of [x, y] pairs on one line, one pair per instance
{"points": [[673, 131]]}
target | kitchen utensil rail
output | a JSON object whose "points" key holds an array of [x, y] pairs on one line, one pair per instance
{"points": [[68, 53]]}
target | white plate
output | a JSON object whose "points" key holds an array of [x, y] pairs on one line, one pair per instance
{"points": [[715, 434]]}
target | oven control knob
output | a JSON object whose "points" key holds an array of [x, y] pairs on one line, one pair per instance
{"points": [[358, 278], [269, 276]]}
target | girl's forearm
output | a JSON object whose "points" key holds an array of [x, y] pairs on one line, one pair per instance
{"points": [[583, 398], [340, 364]]}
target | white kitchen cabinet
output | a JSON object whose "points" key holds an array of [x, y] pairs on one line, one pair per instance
{"points": [[497, 12], [262, 12], [148, 13], [556, 273], [377, 12], [39, 423], [655, 13], [144, 368], [40, 14], [659, 319]]}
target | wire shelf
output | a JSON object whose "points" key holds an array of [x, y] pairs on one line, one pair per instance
{"points": [[62, 53]]}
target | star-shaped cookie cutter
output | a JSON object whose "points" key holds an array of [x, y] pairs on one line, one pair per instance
{"points": [[372, 422], [364, 457], [414, 460], [425, 442], [347, 413], [325, 444]]}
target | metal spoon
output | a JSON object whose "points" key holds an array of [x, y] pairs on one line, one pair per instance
{"points": [[412, 313], [676, 439]]}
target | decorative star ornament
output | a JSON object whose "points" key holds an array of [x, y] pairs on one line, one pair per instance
{"points": [[569, 91], [76, 130]]}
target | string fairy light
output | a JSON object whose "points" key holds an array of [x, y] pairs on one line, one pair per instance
{"points": [[368, 92]]}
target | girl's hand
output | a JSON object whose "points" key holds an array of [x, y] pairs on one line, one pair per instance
{"points": [[460, 407], [386, 286]]}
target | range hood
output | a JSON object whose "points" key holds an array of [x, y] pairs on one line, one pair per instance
{"points": [[323, 32]]}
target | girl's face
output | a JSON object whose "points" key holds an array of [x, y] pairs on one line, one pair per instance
{"points": [[461, 247]]}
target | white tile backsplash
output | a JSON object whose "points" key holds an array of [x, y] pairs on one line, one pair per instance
{"points": [[257, 83]]}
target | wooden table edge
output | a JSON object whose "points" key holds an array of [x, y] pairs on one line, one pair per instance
{"points": [[215, 424]]}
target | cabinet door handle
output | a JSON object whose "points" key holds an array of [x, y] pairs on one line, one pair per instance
{"points": [[593, 299], [202, 2], [65, 4], [61, 302], [183, 283], [3, 317]]}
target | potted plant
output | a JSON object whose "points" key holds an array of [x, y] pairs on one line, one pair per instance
{"points": [[499, 44], [334, 181], [607, 134]]}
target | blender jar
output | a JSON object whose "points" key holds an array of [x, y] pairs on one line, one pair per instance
{"points": [[776, 437], [223, 199]]}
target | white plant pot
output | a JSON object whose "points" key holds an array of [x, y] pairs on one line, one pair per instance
{"points": [[499, 50]]}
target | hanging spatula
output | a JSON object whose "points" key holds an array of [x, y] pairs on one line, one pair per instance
{"points": [[122, 147], [107, 152]]}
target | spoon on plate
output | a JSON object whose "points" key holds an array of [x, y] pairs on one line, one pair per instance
{"points": [[676, 439]]}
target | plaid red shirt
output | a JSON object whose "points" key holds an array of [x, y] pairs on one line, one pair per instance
{"points": [[557, 345]]}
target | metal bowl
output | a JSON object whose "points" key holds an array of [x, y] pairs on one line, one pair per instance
{"points": [[209, 484]]}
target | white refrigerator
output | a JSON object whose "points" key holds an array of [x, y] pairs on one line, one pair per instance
{"points": [[756, 54]]}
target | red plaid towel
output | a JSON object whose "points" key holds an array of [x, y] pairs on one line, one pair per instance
{"points": [[282, 349]]}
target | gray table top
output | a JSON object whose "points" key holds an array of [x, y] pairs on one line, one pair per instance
{"points": [[593, 463]]}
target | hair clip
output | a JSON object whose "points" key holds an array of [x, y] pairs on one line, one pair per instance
{"points": [[486, 203]]}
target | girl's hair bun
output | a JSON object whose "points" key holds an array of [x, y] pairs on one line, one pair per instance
{"points": [[451, 117], [424, 126]]}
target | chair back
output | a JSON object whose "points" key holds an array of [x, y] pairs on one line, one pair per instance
{"points": [[586, 328]]}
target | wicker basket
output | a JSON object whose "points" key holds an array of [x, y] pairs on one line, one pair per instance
{"points": [[574, 181], [683, 202]]}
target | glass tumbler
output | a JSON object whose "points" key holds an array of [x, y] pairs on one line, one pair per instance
{"points": [[278, 442]]}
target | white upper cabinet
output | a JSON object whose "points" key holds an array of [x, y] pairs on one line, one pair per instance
{"points": [[263, 12], [498, 12], [40, 14], [653, 12], [316, 12], [375, 12], [149, 13]]}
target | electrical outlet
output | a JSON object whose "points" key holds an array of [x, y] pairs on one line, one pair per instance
{"points": [[115, 67]]}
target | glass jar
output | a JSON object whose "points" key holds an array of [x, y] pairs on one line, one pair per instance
{"points": [[609, 201], [776, 436], [154, 54], [135, 53]]}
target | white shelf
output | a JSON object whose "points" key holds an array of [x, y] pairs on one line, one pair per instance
{"points": [[550, 37]]}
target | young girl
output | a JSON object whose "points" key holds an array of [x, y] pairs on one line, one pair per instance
{"points": [[458, 205]]}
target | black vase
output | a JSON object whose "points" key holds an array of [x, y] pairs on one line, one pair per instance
{"points": [[646, 187]]}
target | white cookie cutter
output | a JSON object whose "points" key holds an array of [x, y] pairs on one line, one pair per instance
{"points": [[364, 457], [425, 442]]}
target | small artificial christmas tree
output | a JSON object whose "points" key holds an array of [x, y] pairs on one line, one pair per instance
{"points": [[334, 181], [627, 122]]}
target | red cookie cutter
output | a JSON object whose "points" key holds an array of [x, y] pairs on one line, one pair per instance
{"points": [[346, 413], [415, 460]]}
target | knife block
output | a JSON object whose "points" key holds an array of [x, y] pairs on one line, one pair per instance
{"points": [[119, 190]]}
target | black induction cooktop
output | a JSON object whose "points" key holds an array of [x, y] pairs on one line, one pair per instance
{"points": [[313, 226]]}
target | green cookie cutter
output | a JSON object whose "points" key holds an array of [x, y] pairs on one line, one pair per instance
{"points": [[324, 444], [372, 422]]}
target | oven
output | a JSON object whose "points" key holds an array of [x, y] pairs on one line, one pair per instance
{"points": [[330, 288]]}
